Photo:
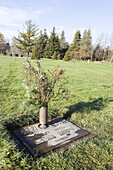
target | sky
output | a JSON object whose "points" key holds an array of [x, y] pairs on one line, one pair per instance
{"points": [[67, 15]]}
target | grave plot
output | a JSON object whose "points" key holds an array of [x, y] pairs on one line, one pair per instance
{"points": [[59, 134]]}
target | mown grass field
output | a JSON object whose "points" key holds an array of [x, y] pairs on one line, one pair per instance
{"points": [[89, 105]]}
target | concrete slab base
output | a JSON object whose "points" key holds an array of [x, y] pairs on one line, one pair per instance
{"points": [[59, 134]]}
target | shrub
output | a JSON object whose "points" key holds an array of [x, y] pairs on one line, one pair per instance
{"points": [[35, 54], [44, 86], [66, 57], [54, 57], [111, 60]]}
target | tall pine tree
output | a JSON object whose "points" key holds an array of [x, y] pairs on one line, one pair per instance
{"points": [[63, 45], [86, 45], [45, 38], [52, 45], [74, 49], [41, 43], [26, 40]]}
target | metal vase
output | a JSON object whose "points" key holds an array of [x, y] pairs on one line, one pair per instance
{"points": [[43, 116]]}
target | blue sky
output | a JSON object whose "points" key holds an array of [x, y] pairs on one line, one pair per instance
{"points": [[67, 15]]}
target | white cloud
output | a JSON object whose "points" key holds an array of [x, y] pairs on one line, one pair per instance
{"points": [[10, 25], [9, 34], [12, 20], [9, 15]]}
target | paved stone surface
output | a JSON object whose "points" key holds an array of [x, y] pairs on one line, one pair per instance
{"points": [[59, 134]]}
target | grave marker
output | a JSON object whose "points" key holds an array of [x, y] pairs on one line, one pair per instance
{"points": [[59, 134]]}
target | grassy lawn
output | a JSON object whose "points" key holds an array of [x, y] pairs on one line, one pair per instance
{"points": [[89, 106]]}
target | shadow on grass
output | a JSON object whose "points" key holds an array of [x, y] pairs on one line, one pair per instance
{"points": [[18, 121], [14, 123], [87, 107]]}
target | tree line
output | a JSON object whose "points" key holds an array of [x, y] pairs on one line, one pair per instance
{"points": [[4, 46], [40, 45]]}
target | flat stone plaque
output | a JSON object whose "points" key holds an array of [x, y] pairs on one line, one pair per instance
{"points": [[60, 133]]}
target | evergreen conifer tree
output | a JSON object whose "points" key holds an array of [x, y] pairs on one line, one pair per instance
{"points": [[3, 45], [26, 40], [67, 56], [45, 38], [2, 40], [63, 45], [52, 45], [35, 53], [86, 45], [54, 57], [57, 44], [41, 43], [74, 48]]}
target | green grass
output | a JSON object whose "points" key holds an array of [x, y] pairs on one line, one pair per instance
{"points": [[89, 106]]}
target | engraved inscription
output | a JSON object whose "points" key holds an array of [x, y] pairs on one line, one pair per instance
{"points": [[63, 132], [58, 133]]}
